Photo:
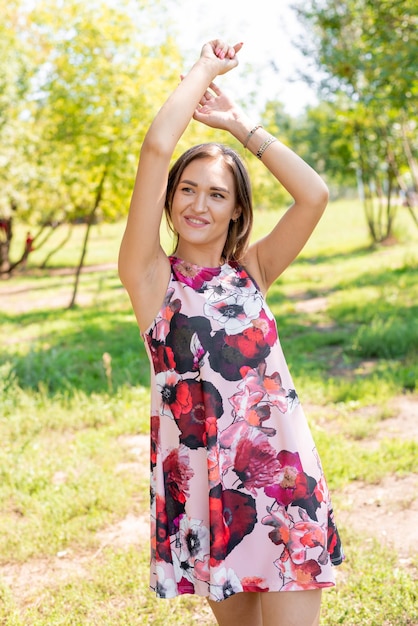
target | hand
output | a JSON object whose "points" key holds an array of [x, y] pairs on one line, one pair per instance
{"points": [[216, 109], [225, 55]]}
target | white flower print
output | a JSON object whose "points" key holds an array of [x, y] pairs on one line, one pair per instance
{"points": [[235, 312], [166, 587], [194, 539], [224, 584], [197, 350], [166, 383]]}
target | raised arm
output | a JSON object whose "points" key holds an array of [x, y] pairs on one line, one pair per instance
{"points": [[143, 266], [269, 257]]}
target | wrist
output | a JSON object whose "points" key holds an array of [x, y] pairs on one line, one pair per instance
{"points": [[257, 139], [207, 65], [244, 128]]}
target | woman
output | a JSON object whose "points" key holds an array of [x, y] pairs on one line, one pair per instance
{"points": [[240, 511]]}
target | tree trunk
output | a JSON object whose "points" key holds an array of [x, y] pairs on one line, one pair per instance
{"points": [[58, 247], [402, 186], [413, 165], [90, 220], [6, 234]]}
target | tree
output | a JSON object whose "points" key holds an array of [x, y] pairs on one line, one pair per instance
{"points": [[367, 51], [17, 66], [86, 109]]}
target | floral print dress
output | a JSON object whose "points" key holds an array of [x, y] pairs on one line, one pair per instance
{"points": [[239, 501]]}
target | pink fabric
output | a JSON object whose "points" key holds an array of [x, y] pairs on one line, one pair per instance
{"points": [[239, 501]]}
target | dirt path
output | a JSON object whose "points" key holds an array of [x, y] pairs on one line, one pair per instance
{"points": [[26, 295]]}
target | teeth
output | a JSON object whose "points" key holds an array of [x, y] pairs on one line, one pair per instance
{"points": [[194, 221]]}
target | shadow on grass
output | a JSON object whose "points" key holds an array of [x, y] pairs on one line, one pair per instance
{"points": [[324, 257], [66, 353]]}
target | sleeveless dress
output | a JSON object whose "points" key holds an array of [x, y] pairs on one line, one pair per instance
{"points": [[239, 501]]}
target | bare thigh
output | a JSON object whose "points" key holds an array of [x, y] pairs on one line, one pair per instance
{"points": [[291, 608], [241, 609], [282, 608]]}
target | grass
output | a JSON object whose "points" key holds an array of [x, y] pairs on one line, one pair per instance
{"points": [[74, 387]]}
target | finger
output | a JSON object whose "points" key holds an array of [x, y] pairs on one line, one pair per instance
{"points": [[233, 50], [207, 96], [221, 49], [215, 89]]}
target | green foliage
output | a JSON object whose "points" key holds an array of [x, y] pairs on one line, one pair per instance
{"points": [[373, 591], [367, 52], [71, 356], [74, 110]]}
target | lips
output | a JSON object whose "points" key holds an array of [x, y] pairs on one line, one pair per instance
{"points": [[196, 221]]}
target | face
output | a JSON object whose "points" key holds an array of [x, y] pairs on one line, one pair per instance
{"points": [[204, 203]]}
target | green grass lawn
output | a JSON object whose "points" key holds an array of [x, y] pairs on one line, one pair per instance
{"points": [[74, 385]]}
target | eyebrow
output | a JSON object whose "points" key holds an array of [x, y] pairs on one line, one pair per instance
{"points": [[193, 184]]}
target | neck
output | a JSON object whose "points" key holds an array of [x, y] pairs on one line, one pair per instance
{"points": [[203, 258]]}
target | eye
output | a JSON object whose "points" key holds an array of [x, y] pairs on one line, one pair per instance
{"points": [[186, 189], [217, 194]]}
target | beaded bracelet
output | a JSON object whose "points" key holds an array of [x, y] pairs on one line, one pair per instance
{"points": [[250, 134], [270, 139]]}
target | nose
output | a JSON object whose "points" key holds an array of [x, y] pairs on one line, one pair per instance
{"points": [[200, 204]]}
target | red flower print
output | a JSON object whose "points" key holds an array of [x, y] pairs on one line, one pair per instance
{"points": [[226, 359], [250, 343], [228, 441], [257, 416], [249, 396], [177, 473], [232, 515], [185, 586], [162, 325], [276, 394], [193, 275], [300, 539], [255, 461], [305, 494], [210, 439], [162, 546], [283, 491], [256, 387], [162, 357], [174, 392], [205, 403], [267, 326], [290, 459], [333, 541], [302, 575], [254, 583], [211, 432], [155, 431]]}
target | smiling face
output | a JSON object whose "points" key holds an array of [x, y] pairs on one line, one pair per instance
{"points": [[204, 203]]}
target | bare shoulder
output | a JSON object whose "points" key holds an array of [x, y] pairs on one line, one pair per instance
{"points": [[148, 290]]}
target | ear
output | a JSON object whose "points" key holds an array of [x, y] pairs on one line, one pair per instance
{"points": [[236, 214]]}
